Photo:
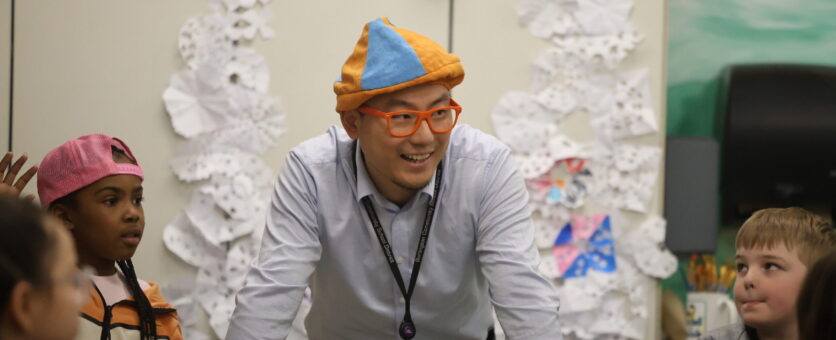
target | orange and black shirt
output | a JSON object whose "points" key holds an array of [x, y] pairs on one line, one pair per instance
{"points": [[120, 321]]}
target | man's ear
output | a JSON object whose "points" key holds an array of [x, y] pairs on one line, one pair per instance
{"points": [[60, 212], [22, 306], [351, 122]]}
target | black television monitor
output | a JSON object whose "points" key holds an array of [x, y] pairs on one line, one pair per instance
{"points": [[777, 128]]}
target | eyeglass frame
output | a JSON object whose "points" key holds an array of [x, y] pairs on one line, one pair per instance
{"points": [[422, 115]]}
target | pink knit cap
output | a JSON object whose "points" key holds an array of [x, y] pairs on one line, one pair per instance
{"points": [[79, 163]]}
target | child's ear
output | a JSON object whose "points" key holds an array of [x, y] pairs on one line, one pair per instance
{"points": [[351, 122], [22, 305], [60, 212]]}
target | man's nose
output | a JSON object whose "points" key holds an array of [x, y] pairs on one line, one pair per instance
{"points": [[423, 135]]}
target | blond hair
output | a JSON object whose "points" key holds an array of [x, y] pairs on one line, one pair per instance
{"points": [[798, 229]]}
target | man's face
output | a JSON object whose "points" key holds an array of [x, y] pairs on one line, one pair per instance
{"points": [[767, 286], [400, 166]]}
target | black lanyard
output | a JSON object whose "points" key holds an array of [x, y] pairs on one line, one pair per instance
{"points": [[407, 328]]}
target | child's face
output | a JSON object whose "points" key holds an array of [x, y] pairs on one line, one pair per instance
{"points": [[767, 285], [59, 300], [64, 300], [108, 219]]}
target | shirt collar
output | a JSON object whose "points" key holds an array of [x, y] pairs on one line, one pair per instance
{"points": [[365, 186]]}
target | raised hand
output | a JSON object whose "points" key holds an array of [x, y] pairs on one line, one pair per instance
{"points": [[9, 186]]}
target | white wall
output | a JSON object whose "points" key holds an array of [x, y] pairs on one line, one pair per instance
{"points": [[101, 66]]}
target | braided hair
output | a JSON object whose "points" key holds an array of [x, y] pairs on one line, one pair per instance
{"points": [[148, 324]]}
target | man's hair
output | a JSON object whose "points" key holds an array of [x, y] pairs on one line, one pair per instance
{"points": [[798, 229]]}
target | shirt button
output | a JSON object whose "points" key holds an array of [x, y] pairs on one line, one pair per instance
{"points": [[399, 259], [402, 300]]}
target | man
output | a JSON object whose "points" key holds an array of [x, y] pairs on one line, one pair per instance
{"points": [[360, 212]]}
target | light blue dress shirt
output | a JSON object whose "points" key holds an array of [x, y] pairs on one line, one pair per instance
{"points": [[480, 253]]}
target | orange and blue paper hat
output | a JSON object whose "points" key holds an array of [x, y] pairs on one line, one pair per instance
{"points": [[387, 59]]}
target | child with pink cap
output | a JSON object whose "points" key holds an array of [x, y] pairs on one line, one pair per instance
{"points": [[93, 185]]}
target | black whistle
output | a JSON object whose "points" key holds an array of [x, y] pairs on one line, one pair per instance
{"points": [[407, 330]]}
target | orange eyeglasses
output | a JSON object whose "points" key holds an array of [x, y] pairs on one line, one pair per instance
{"points": [[405, 123]]}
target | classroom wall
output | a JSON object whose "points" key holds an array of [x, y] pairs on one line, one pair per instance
{"points": [[102, 65]]}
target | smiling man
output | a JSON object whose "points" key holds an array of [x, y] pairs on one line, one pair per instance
{"points": [[404, 224]]}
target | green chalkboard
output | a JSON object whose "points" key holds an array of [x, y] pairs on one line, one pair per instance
{"points": [[705, 36]]}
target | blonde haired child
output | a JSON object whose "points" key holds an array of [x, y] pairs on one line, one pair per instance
{"points": [[775, 248]]}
